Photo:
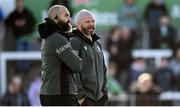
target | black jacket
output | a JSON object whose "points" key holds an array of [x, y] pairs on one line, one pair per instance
{"points": [[167, 39], [19, 99], [92, 79], [59, 62], [153, 13], [26, 17]]}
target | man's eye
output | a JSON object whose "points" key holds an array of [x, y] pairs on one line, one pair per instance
{"points": [[66, 15]]}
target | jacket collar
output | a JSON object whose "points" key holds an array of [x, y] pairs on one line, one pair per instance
{"points": [[48, 27]]}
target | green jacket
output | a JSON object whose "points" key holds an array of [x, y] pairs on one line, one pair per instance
{"points": [[59, 61], [92, 80]]}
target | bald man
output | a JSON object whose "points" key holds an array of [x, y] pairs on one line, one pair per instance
{"points": [[92, 89], [59, 61]]}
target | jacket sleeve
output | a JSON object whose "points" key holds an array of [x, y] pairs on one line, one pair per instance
{"points": [[5, 100], [77, 47], [65, 52]]}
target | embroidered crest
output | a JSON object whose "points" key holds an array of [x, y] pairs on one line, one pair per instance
{"points": [[98, 49], [85, 47]]}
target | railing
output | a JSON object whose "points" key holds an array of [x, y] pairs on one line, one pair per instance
{"points": [[35, 55]]}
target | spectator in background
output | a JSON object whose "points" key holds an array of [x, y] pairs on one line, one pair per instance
{"points": [[2, 29], [113, 42], [15, 95], [1, 15], [164, 76], [137, 67], [119, 45], [34, 91], [127, 39], [129, 15], [0, 101], [153, 11], [165, 36], [114, 87], [115, 90], [22, 22], [177, 40], [175, 66], [145, 90]]}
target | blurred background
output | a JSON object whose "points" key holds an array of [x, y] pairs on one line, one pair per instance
{"points": [[140, 38]]}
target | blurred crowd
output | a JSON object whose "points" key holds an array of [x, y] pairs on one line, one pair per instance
{"points": [[137, 75], [147, 29]]}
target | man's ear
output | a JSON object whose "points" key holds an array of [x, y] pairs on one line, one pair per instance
{"points": [[56, 19]]}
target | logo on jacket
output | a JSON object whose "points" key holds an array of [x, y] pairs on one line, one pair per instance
{"points": [[85, 47], [76, 52], [98, 49], [63, 48]]}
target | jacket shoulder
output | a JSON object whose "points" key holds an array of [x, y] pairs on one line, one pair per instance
{"points": [[57, 36], [99, 43], [57, 39], [76, 38]]}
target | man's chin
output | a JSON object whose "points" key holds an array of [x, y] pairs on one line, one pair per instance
{"points": [[91, 32], [69, 24], [69, 27]]}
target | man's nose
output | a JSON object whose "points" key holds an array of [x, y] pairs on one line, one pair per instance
{"points": [[70, 19], [92, 23]]}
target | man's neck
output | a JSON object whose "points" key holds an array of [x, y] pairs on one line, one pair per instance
{"points": [[20, 10], [88, 36]]}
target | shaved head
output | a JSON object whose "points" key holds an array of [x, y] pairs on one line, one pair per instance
{"points": [[61, 16], [83, 14], [86, 22], [55, 10]]}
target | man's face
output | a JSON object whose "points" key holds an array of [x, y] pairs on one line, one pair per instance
{"points": [[158, 2], [164, 20], [146, 86], [19, 4], [64, 20], [16, 85], [87, 25], [129, 2]]}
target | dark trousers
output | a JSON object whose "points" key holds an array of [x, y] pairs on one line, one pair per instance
{"points": [[90, 102], [58, 100]]}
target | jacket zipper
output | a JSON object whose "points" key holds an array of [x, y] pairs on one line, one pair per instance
{"points": [[96, 71]]}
